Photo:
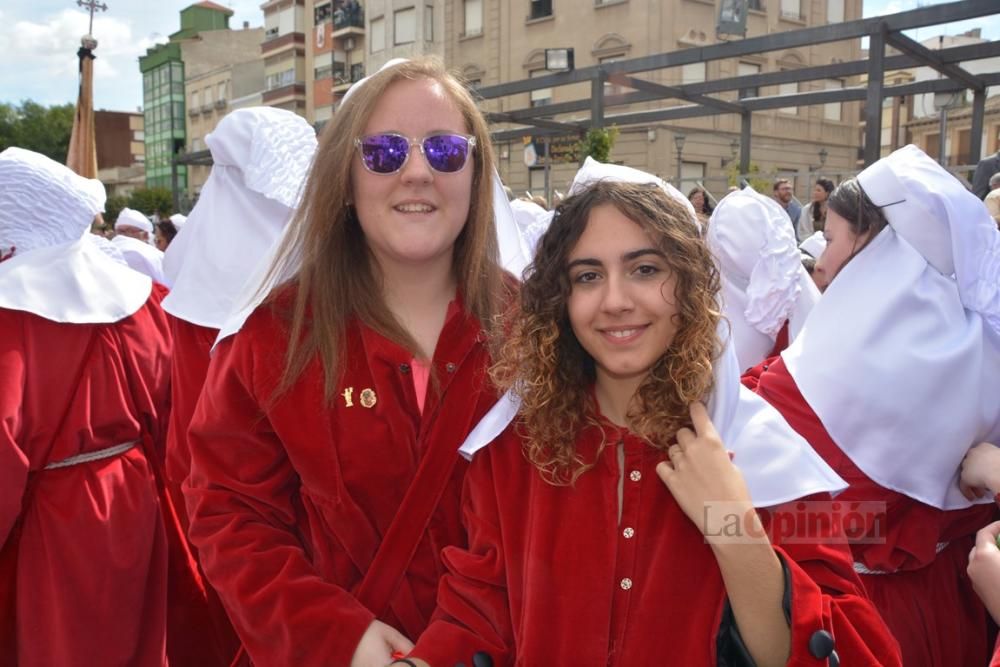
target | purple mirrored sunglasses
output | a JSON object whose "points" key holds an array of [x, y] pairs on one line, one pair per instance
{"points": [[386, 153]]}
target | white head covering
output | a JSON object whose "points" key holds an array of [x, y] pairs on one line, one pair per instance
{"points": [[513, 250], [178, 220], [899, 359], [108, 248], [43, 203], [763, 281], [814, 245], [532, 220], [141, 256], [261, 157], [776, 462], [55, 272], [128, 217]]}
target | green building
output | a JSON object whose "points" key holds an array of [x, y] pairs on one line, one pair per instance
{"points": [[163, 94]]}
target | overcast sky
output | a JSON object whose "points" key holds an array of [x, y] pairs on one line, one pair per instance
{"points": [[41, 37]]}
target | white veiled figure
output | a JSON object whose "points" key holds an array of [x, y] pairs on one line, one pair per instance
{"points": [[901, 356], [48, 266], [141, 257], [261, 158], [764, 283]]}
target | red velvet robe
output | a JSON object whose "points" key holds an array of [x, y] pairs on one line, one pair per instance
{"points": [[927, 599], [553, 577], [91, 562], [289, 501]]}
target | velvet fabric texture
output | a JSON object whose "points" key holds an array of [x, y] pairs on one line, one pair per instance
{"points": [[923, 591], [289, 500], [553, 576]]}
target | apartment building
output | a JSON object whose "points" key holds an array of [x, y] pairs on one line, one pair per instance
{"points": [[284, 49]]}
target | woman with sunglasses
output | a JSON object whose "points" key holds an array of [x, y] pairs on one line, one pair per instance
{"points": [[324, 476], [607, 525]]}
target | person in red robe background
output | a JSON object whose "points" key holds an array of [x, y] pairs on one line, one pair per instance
{"points": [[84, 397], [594, 520], [325, 475], [893, 379]]}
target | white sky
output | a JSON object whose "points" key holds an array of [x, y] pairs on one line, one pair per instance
{"points": [[42, 36]]}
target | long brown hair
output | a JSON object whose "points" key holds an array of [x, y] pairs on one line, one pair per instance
{"points": [[539, 357], [338, 278]]}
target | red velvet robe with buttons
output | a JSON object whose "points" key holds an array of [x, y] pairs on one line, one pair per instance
{"points": [[289, 500], [927, 601], [552, 576], [90, 567]]}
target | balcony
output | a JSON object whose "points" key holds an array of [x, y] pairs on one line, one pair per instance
{"points": [[270, 33], [343, 80], [194, 111], [288, 40], [206, 108], [348, 19], [290, 91], [220, 104]]}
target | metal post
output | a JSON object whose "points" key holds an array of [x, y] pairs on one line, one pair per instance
{"points": [[943, 137], [173, 183], [745, 122], [597, 99], [548, 170], [873, 103], [976, 133]]}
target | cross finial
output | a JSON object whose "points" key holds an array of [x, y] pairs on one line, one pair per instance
{"points": [[92, 6]]}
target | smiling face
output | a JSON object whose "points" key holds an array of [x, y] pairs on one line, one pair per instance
{"points": [[622, 304], [413, 216], [841, 245]]}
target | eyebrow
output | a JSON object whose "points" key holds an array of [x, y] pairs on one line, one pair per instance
{"points": [[627, 257]]}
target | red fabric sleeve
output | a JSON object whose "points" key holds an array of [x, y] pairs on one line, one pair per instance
{"points": [[13, 461], [473, 613], [242, 502]]}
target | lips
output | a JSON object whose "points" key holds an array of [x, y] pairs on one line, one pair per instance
{"points": [[626, 334], [415, 207]]}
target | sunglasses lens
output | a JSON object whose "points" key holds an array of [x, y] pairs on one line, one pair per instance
{"points": [[446, 152], [384, 153]]}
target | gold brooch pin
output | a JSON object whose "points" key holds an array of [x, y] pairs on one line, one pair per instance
{"points": [[368, 398], [348, 403]]}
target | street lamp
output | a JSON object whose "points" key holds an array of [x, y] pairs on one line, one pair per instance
{"points": [[823, 154], [559, 60], [679, 143]]}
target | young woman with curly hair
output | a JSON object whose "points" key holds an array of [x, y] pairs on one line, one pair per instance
{"points": [[593, 519]]}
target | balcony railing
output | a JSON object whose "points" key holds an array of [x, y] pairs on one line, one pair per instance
{"points": [[220, 104], [349, 15], [270, 33]]}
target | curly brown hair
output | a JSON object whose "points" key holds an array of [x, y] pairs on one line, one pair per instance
{"points": [[539, 357]]}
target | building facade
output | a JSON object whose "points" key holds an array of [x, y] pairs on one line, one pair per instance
{"points": [[121, 150], [284, 51]]}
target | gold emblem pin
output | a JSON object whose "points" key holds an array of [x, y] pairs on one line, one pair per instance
{"points": [[368, 398], [348, 403]]}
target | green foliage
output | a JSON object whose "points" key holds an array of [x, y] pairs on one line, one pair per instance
{"points": [[761, 185], [597, 143], [113, 206], [30, 125], [152, 200]]}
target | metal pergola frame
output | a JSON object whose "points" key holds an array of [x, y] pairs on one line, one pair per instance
{"points": [[882, 31]]}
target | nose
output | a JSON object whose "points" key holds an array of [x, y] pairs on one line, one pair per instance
{"points": [[617, 296], [416, 170]]}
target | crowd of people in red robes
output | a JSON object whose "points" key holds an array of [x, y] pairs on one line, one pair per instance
{"points": [[356, 418]]}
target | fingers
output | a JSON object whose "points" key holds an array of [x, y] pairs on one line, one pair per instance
{"points": [[986, 538], [703, 425], [665, 471]]}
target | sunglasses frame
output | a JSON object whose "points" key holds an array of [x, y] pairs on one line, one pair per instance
{"points": [[411, 142]]}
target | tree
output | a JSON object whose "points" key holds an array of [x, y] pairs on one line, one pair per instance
{"points": [[597, 143], [113, 206], [30, 125], [152, 200], [762, 185]]}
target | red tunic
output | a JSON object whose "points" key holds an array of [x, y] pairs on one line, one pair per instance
{"points": [[552, 576], [926, 596], [289, 501], [91, 563]]}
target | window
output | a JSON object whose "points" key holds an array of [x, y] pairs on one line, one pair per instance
{"points": [[323, 13], [691, 173], [791, 9], [281, 79], [221, 95], [788, 89], [208, 96], [428, 23], [834, 11], [612, 88], [472, 11], [757, 5], [542, 96], [831, 110], [540, 9], [357, 72], [693, 72], [932, 146], [964, 148], [324, 72], [139, 135], [747, 69], [404, 27], [536, 180], [194, 100], [377, 30]]}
